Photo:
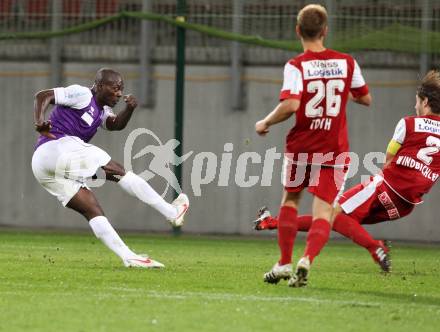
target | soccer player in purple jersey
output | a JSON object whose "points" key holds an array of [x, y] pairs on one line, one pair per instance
{"points": [[63, 160]]}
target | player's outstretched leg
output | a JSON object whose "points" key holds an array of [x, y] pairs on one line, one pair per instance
{"points": [[351, 228], [138, 187], [265, 221], [135, 186], [381, 255], [85, 203]]}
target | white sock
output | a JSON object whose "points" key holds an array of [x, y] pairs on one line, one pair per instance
{"points": [[138, 187], [106, 233]]}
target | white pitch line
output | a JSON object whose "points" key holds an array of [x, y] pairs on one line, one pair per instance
{"points": [[239, 297], [202, 296], [199, 295], [128, 291]]}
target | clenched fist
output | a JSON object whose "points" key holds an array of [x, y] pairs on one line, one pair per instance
{"points": [[262, 128], [131, 102]]}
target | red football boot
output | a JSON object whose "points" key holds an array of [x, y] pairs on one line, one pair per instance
{"points": [[265, 220], [381, 255]]}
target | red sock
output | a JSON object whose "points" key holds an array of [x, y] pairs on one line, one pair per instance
{"points": [[317, 238], [346, 226], [351, 228], [303, 222], [287, 225]]}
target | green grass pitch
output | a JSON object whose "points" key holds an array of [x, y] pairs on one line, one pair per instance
{"points": [[71, 282]]}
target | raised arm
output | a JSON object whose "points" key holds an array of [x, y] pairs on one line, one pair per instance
{"points": [[120, 121], [42, 100]]}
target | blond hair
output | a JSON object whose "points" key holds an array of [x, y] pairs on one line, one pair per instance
{"points": [[311, 21]]}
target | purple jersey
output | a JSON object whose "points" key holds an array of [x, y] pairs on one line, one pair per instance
{"points": [[76, 114]]}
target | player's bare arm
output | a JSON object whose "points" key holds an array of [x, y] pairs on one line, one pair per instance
{"points": [[42, 100], [364, 100], [120, 121], [392, 149], [282, 112]]}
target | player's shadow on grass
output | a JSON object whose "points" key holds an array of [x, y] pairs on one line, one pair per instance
{"points": [[405, 298]]}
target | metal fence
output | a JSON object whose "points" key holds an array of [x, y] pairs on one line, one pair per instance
{"points": [[119, 41]]}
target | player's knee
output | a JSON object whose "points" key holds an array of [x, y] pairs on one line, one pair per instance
{"points": [[323, 213], [337, 209], [291, 199], [89, 212], [92, 212]]}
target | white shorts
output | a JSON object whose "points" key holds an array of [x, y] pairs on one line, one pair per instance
{"points": [[63, 166]]}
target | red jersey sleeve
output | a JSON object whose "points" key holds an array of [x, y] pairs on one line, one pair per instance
{"points": [[358, 86], [292, 82]]}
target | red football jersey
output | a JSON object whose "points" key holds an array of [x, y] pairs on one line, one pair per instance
{"points": [[416, 166], [322, 82]]}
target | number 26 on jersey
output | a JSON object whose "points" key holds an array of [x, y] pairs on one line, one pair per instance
{"points": [[332, 103]]}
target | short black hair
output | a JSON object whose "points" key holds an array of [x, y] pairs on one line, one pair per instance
{"points": [[107, 75]]}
